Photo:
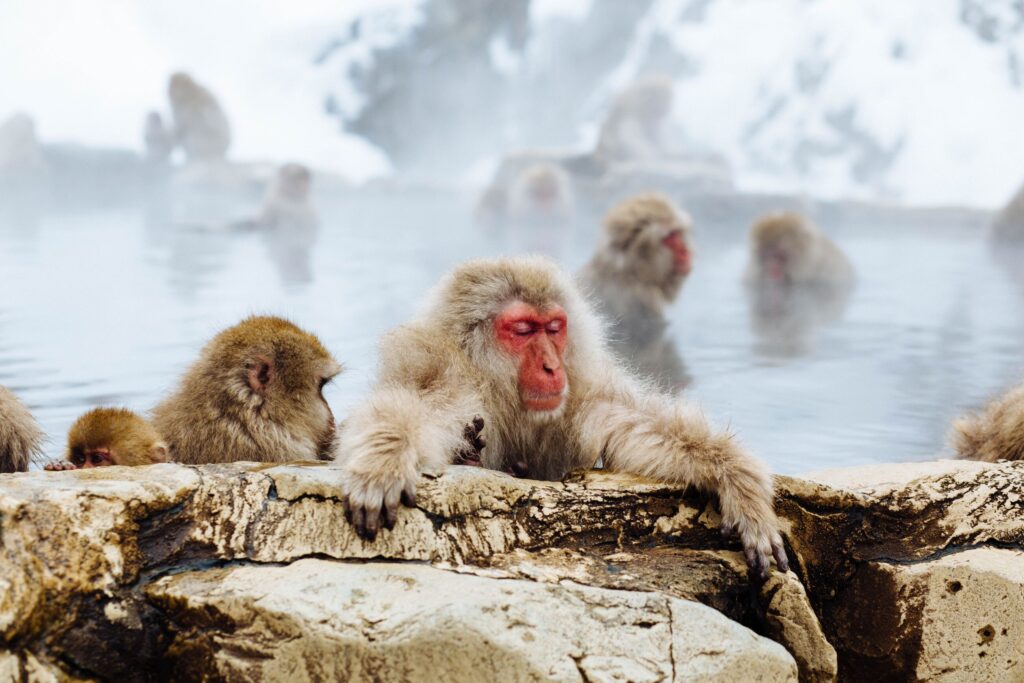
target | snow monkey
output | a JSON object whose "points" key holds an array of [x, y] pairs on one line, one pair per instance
{"points": [[646, 254], [997, 433], [788, 249], [20, 436], [636, 127], [540, 193], [200, 125], [797, 279], [513, 341], [111, 436], [256, 393], [286, 201]]}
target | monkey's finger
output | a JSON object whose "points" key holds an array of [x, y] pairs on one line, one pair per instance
{"points": [[409, 496], [780, 556], [390, 516], [347, 507], [372, 521], [478, 423], [359, 520]]}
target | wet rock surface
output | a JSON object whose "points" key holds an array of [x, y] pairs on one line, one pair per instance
{"points": [[250, 571]]}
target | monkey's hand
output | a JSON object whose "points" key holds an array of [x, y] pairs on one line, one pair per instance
{"points": [[761, 541], [59, 466], [373, 489], [471, 451]]}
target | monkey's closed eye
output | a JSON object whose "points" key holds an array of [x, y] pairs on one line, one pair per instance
{"points": [[523, 329]]}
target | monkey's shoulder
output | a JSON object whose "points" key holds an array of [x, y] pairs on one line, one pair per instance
{"points": [[415, 355]]}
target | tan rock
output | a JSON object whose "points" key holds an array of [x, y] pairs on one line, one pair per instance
{"points": [[317, 620]]}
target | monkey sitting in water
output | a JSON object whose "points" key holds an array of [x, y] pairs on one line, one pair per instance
{"points": [[105, 437], [20, 435], [996, 433], [637, 272], [796, 279]]}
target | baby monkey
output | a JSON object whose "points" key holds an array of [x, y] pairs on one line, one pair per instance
{"points": [[111, 436]]}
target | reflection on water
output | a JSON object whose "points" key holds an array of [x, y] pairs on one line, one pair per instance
{"points": [[107, 306]]}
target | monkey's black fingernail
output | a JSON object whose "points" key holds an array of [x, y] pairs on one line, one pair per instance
{"points": [[478, 423], [390, 517], [780, 558], [347, 507], [409, 498], [359, 520]]}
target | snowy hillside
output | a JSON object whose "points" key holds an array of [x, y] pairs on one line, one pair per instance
{"points": [[920, 101]]}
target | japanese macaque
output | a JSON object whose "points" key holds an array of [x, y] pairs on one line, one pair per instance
{"points": [[158, 139], [514, 342], [256, 393], [286, 201], [20, 436], [111, 436], [797, 279], [639, 268], [541, 193], [636, 128], [200, 125], [1008, 226], [997, 433]]}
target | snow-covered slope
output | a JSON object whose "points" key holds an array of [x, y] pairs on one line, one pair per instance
{"points": [[920, 101]]}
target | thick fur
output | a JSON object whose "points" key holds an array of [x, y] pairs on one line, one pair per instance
{"points": [[1008, 225], [131, 439], [814, 259], [200, 125], [632, 278], [216, 415], [997, 433], [444, 368], [20, 436]]}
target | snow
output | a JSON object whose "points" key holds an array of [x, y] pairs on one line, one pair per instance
{"points": [[88, 72], [908, 101]]}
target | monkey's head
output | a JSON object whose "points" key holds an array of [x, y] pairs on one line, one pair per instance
{"points": [[113, 436], [180, 87], [275, 372], [544, 184], [650, 241], [293, 181], [522, 322], [782, 244]]}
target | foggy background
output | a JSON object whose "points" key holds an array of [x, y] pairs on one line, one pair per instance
{"points": [[897, 125]]}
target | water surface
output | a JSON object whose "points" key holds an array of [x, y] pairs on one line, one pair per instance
{"points": [[108, 305]]}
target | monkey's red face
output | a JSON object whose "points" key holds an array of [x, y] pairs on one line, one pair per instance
{"points": [[682, 260], [537, 339]]}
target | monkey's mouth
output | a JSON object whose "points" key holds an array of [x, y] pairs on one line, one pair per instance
{"points": [[543, 402]]}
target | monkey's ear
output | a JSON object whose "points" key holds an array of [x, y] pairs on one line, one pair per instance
{"points": [[261, 374], [159, 452]]}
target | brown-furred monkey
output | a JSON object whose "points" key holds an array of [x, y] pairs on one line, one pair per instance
{"points": [[255, 393], [513, 341], [104, 437]]}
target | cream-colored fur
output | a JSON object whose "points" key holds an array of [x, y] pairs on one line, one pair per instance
{"points": [[997, 433], [20, 436], [442, 369]]}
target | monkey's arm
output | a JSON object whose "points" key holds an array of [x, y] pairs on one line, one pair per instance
{"points": [[671, 442], [414, 420]]}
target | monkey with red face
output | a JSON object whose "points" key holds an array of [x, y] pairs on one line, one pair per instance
{"points": [[513, 341], [644, 259], [104, 437]]}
